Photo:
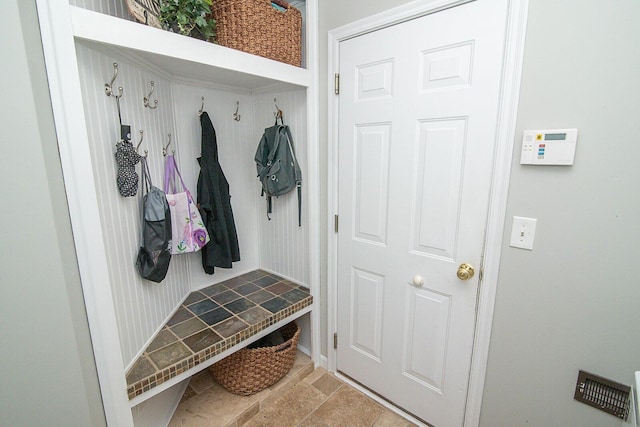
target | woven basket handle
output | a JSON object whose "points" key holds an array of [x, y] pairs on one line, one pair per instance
{"points": [[281, 3], [282, 347]]}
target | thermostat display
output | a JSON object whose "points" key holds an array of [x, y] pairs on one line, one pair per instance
{"points": [[549, 147]]}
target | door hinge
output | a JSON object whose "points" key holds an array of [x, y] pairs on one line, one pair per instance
{"points": [[335, 340], [335, 223], [336, 84]]}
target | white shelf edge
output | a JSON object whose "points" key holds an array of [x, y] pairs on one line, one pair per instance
{"points": [[100, 28], [204, 365]]}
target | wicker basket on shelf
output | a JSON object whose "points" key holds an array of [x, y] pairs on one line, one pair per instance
{"points": [[268, 28], [251, 370], [145, 11]]}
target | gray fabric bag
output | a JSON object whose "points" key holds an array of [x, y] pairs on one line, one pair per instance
{"points": [[155, 246]]}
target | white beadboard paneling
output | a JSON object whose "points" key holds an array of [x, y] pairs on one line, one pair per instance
{"points": [[236, 148], [284, 247], [141, 306], [278, 245], [117, 8]]}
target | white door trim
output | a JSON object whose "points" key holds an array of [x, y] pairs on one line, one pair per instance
{"points": [[509, 96]]}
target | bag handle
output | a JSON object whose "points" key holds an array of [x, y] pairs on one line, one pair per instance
{"points": [[169, 175], [170, 171], [146, 182], [146, 178]]}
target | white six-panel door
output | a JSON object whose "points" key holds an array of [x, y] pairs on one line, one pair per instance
{"points": [[417, 127]]}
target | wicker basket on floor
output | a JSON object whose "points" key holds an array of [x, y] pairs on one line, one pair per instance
{"points": [[249, 371], [256, 27]]}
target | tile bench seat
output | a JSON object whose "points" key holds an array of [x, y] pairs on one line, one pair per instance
{"points": [[213, 320]]}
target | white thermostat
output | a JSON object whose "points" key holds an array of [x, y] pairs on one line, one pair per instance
{"points": [[549, 147]]}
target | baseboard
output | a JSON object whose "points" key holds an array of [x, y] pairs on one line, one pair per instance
{"points": [[304, 350], [323, 362]]}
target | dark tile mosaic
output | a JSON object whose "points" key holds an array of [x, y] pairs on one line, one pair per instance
{"points": [[247, 288], [263, 282], [214, 289], [260, 296], [187, 328], [295, 295], [278, 288], [180, 316], [169, 355], [254, 315], [276, 304], [163, 338], [225, 297], [202, 340], [215, 316], [230, 327], [240, 305], [193, 297], [202, 306], [235, 282], [141, 369], [189, 339], [254, 275]]}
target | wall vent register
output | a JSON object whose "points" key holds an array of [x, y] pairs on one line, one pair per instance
{"points": [[601, 393]]}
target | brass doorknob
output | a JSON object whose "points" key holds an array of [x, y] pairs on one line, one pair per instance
{"points": [[465, 271]]}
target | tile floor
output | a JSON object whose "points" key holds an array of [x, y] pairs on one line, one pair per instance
{"points": [[304, 398], [213, 320]]}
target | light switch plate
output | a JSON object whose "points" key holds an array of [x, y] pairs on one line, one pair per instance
{"points": [[523, 232]]}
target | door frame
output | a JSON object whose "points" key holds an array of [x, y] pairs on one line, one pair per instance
{"points": [[504, 144]]}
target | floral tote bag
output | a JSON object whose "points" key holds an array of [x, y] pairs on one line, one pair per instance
{"points": [[188, 233]]}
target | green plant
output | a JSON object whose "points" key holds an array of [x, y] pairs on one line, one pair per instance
{"points": [[189, 17]]}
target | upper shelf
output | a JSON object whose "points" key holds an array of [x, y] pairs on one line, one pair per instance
{"points": [[185, 57]]}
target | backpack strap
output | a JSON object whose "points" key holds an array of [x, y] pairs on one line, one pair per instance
{"points": [[144, 190], [270, 157], [298, 172]]}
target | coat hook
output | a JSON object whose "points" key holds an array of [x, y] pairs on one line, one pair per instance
{"points": [[164, 149], [236, 116], [108, 87], [148, 97], [140, 142], [202, 107], [278, 113]]}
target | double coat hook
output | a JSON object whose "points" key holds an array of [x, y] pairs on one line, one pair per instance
{"points": [[236, 115], [108, 87], [278, 112], [140, 142], [165, 149], [146, 99]]}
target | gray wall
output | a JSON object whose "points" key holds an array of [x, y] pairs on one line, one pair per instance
{"points": [[47, 370], [571, 303]]}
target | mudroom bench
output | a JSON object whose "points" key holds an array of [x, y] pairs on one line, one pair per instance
{"points": [[211, 324]]}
